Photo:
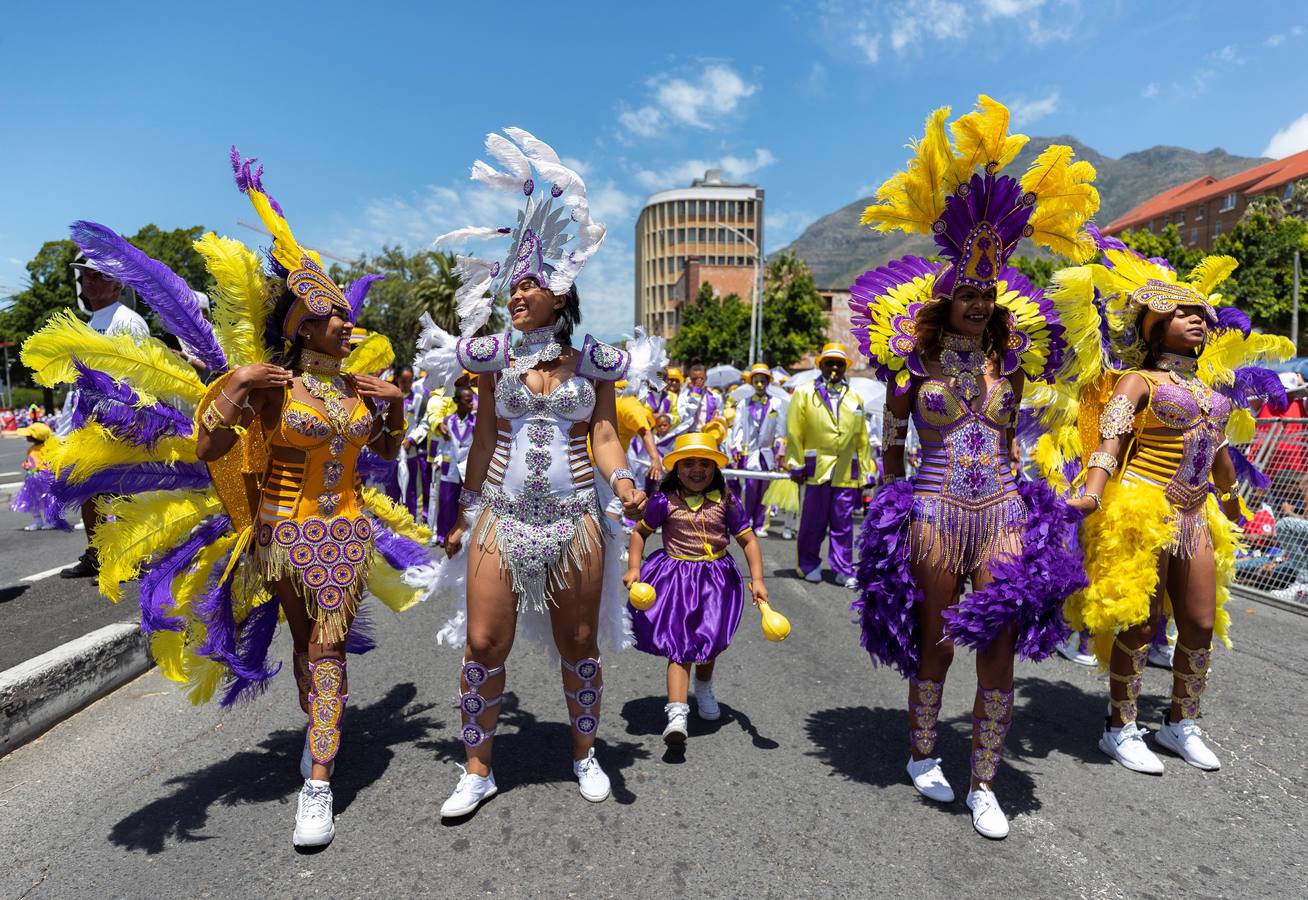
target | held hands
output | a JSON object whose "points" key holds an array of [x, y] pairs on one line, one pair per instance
{"points": [[258, 376], [759, 590], [374, 388], [633, 503], [796, 475], [632, 576]]}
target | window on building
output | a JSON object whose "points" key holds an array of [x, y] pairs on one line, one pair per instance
{"points": [[702, 234], [1199, 212], [1180, 217], [1229, 202], [1194, 235], [1217, 229], [1289, 192], [681, 209]]}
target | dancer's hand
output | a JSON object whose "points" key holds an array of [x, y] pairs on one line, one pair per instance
{"points": [[1083, 505], [656, 469], [454, 540], [760, 592], [633, 504], [374, 388], [257, 376], [632, 576]]}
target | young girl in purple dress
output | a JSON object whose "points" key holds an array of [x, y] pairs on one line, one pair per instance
{"points": [[698, 592]]}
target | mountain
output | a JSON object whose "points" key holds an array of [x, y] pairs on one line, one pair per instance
{"points": [[838, 249]]}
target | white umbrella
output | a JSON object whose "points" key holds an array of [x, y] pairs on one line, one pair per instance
{"points": [[872, 391], [722, 376], [745, 391], [799, 379]]}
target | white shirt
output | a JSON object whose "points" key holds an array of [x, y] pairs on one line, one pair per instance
{"points": [[119, 319]]}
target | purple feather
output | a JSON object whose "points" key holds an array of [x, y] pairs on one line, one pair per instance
{"points": [[1163, 261], [247, 177], [1028, 591], [118, 408], [163, 290], [360, 638], [130, 479], [888, 594], [1246, 471], [399, 551], [1103, 241], [867, 291], [375, 469], [358, 290], [251, 673], [156, 588], [37, 496], [1229, 317], [1254, 386], [996, 199]]}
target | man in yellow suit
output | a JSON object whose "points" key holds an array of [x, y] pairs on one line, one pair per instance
{"points": [[827, 451]]}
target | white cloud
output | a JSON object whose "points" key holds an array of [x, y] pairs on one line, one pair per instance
{"points": [[1291, 139], [734, 168], [1151, 90], [781, 226], [1280, 38], [1025, 111], [870, 44], [699, 103], [908, 25]]}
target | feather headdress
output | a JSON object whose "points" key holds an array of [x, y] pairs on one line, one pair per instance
{"points": [[554, 237], [241, 303]]}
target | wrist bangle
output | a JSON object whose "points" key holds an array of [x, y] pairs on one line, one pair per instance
{"points": [[469, 498], [1099, 501], [1101, 460], [618, 474]]}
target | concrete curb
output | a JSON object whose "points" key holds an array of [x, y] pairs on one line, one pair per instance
{"points": [[38, 694]]}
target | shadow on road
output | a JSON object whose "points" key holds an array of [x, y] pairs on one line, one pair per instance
{"points": [[1058, 717], [531, 751], [645, 716], [271, 774], [12, 593]]}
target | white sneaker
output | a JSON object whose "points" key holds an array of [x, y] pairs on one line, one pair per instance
{"points": [[787, 534], [313, 815], [471, 792], [306, 761], [987, 817], [706, 705], [852, 583], [1071, 649], [1186, 740], [32, 527], [1161, 656], [676, 731], [813, 577], [594, 783], [1127, 746], [760, 532], [929, 780]]}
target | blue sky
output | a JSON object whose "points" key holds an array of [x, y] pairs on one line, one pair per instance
{"points": [[368, 115]]}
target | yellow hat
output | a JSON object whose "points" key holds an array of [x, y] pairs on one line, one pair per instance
{"points": [[694, 445], [674, 374], [833, 350], [38, 430], [759, 369]]}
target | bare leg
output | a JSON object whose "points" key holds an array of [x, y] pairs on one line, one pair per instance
{"points": [[492, 620], [1129, 650], [678, 681], [574, 620], [939, 591], [1192, 585]]}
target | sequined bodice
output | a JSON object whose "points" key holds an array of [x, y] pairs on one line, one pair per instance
{"points": [[939, 407], [1179, 438], [306, 428], [571, 401], [538, 454], [969, 462], [322, 483]]}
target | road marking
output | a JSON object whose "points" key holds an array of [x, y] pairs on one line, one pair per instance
{"points": [[9, 474], [46, 574], [10, 485]]}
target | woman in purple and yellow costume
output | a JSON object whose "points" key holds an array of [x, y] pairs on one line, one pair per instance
{"points": [[538, 544], [1158, 404], [956, 342]]}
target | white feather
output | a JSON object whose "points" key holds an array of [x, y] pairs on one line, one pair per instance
{"points": [[536, 149], [472, 231], [648, 356], [496, 179], [512, 158], [436, 355]]}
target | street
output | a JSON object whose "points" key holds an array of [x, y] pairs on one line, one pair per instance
{"points": [[798, 790]]}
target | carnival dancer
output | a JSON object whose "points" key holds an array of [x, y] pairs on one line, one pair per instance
{"points": [[757, 440], [537, 541], [1158, 408], [827, 451], [455, 442], [955, 343], [254, 508], [697, 589]]}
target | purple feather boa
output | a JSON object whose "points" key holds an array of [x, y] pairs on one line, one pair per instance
{"points": [[1028, 591], [118, 408], [163, 290], [886, 606], [399, 551], [1253, 386], [37, 496], [131, 479], [253, 639], [375, 469], [360, 638], [1229, 317], [156, 588]]}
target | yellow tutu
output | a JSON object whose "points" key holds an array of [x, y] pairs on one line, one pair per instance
{"points": [[784, 495]]}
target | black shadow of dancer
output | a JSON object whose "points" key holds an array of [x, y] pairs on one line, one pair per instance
{"points": [[530, 751], [871, 746], [645, 716], [1058, 717], [271, 774]]}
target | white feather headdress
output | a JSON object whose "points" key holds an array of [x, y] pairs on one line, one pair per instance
{"points": [[554, 236]]}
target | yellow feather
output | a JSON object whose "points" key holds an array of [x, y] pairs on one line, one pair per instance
{"points": [[169, 651], [394, 516], [285, 248], [373, 354], [913, 199], [149, 367], [1228, 350], [1061, 232], [1211, 271], [981, 138], [1240, 426], [387, 585], [138, 527], [92, 448], [240, 303]]}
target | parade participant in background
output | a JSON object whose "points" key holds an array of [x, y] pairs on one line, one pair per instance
{"points": [[955, 343], [696, 404], [674, 379], [697, 589], [827, 452], [253, 510], [1160, 482], [31, 497], [757, 442], [454, 442], [641, 459], [106, 301], [417, 488], [660, 400], [537, 542]]}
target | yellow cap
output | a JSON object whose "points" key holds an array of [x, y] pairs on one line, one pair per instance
{"points": [[759, 369], [833, 350], [38, 430], [695, 445], [674, 374]]}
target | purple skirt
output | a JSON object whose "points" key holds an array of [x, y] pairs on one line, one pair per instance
{"points": [[696, 610]]}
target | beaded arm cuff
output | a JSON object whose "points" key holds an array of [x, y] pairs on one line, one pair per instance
{"points": [[1118, 417], [488, 353], [620, 473], [1101, 460], [602, 362], [469, 499], [893, 430]]}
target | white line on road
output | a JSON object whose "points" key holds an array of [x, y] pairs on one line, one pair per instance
{"points": [[9, 474], [46, 574], [10, 485]]}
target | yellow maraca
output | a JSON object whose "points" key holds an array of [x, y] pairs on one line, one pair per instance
{"points": [[641, 595], [776, 627]]}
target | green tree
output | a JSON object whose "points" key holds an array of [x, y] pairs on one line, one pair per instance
{"points": [[713, 330], [794, 318], [1167, 245], [1263, 284], [1039, 270]]}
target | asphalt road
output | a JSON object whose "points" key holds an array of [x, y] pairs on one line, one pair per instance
{"points": [[798, 791], [38, 609]]}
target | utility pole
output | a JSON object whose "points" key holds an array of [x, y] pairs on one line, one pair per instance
{"points": [[1294, 316]]}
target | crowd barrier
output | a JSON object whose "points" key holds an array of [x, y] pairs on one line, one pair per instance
{"points": [[1274, 567]]}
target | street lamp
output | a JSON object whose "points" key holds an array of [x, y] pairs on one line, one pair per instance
{"points": [[756, 308]]}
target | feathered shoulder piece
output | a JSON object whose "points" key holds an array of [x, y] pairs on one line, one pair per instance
{"points": [[554, 235], [953, 190], [602, 362], [488, 353], [647, 357], [885, 303], [438, 355]]}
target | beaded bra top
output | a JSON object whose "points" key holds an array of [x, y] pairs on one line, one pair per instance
{"points": [[970, 460], [1181, 431]]}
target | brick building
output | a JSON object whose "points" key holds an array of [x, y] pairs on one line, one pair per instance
{"points": [[1207, 207]]}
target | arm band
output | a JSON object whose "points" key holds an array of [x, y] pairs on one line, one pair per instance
{"points": [[1101, 460], [1118, 417], [618, 474], [893, 430]]}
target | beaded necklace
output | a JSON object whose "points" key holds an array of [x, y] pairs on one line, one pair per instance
{"points": [[1183, 370], [537, 346], [961, 358], [323, 380]]}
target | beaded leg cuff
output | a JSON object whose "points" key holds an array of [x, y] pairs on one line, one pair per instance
{"points": [[990, 728], [472, 703], [923, 713], [326, 704], [1188, 688], [588, 696], [1132, 681]]}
